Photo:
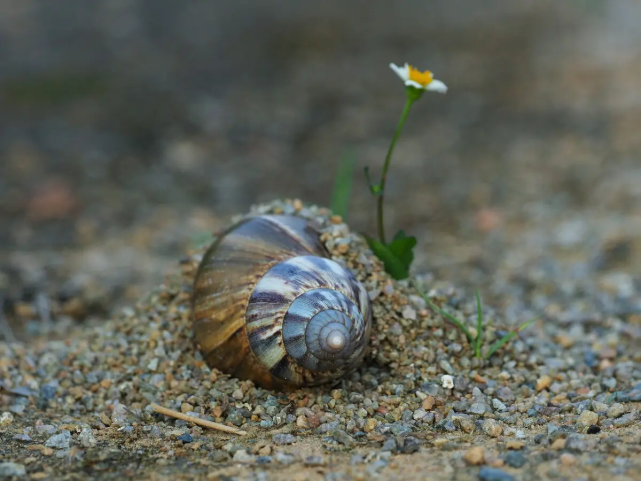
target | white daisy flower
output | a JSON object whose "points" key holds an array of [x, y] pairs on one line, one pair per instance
{"points": [[417, 79]]}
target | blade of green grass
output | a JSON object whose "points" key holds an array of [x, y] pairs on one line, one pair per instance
{"points": [[508, 337], [343, 186], [446, 315], [479, 324]]}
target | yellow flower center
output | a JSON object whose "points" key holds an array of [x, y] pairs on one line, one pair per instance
{"points": [[422, 78]]}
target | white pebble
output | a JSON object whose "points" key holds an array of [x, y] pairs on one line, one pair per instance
{"points": [[448, 381], [409, 313], [6, 419]]}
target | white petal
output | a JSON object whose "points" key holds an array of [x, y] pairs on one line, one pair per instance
{"points": [[412, 83], [437, 86], [402, 72]]}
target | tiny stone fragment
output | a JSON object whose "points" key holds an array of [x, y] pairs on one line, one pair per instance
{"points": [[314, 460], [515, 459], [281, 439], [448, 381], [588, 418], [543, 383], [60, 441], [475, 456], [492, 428], [494, 474], [87, 438], [6, 419], [9, 470], [568, 459], [616, 410]]}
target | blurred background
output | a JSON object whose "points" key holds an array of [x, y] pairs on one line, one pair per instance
{"points": [[130, 129]]}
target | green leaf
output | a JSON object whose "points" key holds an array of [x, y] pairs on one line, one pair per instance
{"points": [[343, 186], [443, 313], [375, 189], [401, 246], [393, 266], [479, 324], [508, 337]]}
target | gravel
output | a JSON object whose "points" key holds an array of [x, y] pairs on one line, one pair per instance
{"points": [[91, 394]]}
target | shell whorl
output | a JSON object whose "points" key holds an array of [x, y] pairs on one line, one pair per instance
{"points": [[309, 294], [269, 305]]}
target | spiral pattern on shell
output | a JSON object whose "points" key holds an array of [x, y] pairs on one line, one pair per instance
{"points": [[269, 305]]}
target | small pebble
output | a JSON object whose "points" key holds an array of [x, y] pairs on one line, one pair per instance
{"points": [[87, 438], [281, 439], [492, 428], [8, 470], [447, 381], [625, 420], [515, 459], [494, 474], [6, 419], [284, 458], [588, 418], [241, 456], [314, 460], [543, 383], [568, 459], [60, 441], [616, 410], [475, 456]]}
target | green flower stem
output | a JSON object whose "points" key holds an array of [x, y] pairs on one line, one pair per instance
{"points": [[381, 195]]}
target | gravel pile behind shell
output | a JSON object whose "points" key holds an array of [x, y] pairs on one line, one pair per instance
{"points": [[82, 397]]}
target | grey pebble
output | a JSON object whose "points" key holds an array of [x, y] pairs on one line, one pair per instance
{"points": [[625, 420], [445, 425], [431, 388], [400, 428], [16, 408], [60, 441], [616, 410], [314, 460], [22, 437], [241, 456], [477, 408], [284, 458], [493, 474], [504, 393], [575, 442], [408, 445], [45, 428], [8, 470], [515, 459], [376, 466], [389, 445], [498, 405], [281, 439], [87, 438], [342, 437]]}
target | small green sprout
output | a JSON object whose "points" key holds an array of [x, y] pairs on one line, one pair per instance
{"points": [[475, 341]]}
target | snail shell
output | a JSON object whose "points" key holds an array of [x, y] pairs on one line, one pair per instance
{"points": [[269, 305]]}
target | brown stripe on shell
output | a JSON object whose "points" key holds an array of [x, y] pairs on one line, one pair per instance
{"points": [[226, 277]]}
